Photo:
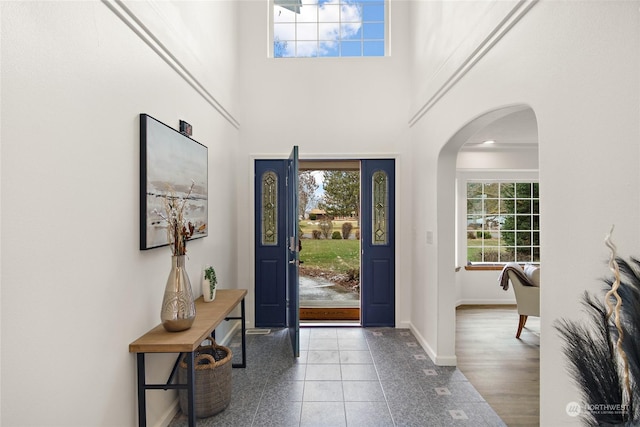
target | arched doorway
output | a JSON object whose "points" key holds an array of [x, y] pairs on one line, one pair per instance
{"points": [[514, 130], [446, 226]]}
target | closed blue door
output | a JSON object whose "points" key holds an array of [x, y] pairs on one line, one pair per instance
{"points": [[378, 242], [271, 243]]}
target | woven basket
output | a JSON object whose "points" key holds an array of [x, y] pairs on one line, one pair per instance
{"points": [[213, 380]]}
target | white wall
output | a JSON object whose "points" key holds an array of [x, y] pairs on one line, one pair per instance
{"points": [[331, 108], [76, 290], [576, 64]]}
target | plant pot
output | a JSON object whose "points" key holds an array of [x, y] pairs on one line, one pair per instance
{"points": [[209, 282], [208, 294]]}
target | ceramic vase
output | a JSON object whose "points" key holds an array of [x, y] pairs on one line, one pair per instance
{"points": [[207, 294], [178, 309], [208, 288]]}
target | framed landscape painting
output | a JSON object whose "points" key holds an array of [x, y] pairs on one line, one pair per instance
{"points": [[170, 162]]}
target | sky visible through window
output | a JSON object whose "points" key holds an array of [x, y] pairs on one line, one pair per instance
{"points": [[328, 28]]}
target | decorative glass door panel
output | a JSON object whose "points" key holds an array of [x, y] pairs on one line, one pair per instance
{"points": [[269, 208], [380, 207]]}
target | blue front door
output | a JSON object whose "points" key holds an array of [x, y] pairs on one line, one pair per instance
{"points": [[293, 258], [276, 243], [377, 236], [271, 243], [276, 238]]}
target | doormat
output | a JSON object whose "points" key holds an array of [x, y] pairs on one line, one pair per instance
{"points": [[258, 331]]}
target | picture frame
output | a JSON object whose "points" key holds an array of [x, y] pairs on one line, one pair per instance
{"points": [[170, 162]]}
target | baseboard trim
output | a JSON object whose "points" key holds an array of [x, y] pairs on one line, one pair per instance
{"points": [[404, 324], [446, 361], [169, 414], [439, 360], [227, 338], [484, 302]]}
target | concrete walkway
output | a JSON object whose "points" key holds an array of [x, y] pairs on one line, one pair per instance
{"points": [[317, 292]]}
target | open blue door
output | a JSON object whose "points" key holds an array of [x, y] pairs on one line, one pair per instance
{"points": [[271, 243], [276, 245], [293, 301], [377, 241]]}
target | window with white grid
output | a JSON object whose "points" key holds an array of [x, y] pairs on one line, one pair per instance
{"points": [[329, 28], [503, 222]]}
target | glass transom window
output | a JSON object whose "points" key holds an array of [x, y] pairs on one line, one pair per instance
{"points": [[328, 28]]}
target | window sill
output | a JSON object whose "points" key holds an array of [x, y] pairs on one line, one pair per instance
{"points": [[496, 267], [491, 267]]}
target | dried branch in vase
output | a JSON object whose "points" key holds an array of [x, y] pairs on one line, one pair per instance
{"points": [[179, 229]]}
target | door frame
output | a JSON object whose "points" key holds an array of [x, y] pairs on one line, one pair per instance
{"points": [[318, 314], [316, 157]]}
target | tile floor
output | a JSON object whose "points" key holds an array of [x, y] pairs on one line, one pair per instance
{"points": [[346, 377]]}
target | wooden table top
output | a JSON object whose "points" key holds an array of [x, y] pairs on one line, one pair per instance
{"points": [[208, 316]]}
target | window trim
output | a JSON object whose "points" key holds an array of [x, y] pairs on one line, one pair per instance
{"points": [[463, 176], [491, 267], [270, 36]]}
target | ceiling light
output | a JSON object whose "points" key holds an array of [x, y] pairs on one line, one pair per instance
{"points": [[489, 141]]}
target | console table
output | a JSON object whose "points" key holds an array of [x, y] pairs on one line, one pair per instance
{"points": [[208, 316]]}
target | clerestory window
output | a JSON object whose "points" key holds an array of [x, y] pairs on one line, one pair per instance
{"points": [[503, 222], [329, 28]]}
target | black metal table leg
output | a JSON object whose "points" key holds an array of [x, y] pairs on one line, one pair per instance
{"points": [[244, 338], [191, 388], [142, 401], [174, 370]]}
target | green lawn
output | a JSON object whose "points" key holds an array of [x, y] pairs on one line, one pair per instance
{"points": [[474, 252], [332, 255]]}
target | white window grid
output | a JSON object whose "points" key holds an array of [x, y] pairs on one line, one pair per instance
{"points": [[298, 23], [481, 222]]}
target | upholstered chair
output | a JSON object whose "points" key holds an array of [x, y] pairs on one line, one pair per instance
{"points": [[526, 286]]}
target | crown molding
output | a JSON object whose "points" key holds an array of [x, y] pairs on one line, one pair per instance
{"points": [[162, 49], [471, 59]]}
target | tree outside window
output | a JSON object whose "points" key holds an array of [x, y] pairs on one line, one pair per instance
{"points": [[503, 222]]}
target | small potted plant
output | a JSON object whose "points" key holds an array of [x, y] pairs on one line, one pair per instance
{"points": [[209, 282]]}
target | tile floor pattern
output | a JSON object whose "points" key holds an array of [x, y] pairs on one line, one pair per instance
{"points": [[346, 377]]}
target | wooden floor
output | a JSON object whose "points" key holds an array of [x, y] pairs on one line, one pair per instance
{"points": [[505, 370]]}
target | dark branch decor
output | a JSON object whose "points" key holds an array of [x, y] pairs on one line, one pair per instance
{"points": [[604, 354]]}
